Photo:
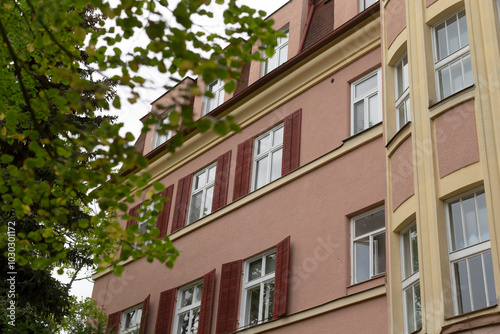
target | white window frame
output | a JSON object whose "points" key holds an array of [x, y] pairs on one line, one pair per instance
{"points": [[365, 97], [446, 62], [157, 138], [363, 5], [467, 252], [264, 279], [402, 99], [370, 234], [217, 89], [203, 189], [268, 154], [136, 318], [195, 305], [276, 60], [409, 281], [142, 224]]}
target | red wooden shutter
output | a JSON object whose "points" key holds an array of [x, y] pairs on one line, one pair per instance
{"points": [[281, 278], [164, 318], [134, 212], [182, 202], [291, 143], [162, 222], [221, 181], [207, 298], [144, 316], [113, 326], [243, 169], [227, 315]]}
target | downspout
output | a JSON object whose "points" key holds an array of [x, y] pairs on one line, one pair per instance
{"points": [[308, 23]]}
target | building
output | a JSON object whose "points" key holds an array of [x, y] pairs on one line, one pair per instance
{"points": [[361, 196]]}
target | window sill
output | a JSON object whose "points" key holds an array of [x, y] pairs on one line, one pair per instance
{"points": [[441, 102], [472, 320], [366, 285], [362, 132]]}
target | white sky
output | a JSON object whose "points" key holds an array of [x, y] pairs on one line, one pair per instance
{"points": [[129, 115]]}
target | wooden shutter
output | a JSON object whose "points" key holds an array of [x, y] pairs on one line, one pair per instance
{"points": [[182, 202], [113, 326], [281, 278], [144, 316], [162, 222], [164, 317], [134, 212], [243, 169], [221, 181], [207, 298], [291, 142], [227, 315]]}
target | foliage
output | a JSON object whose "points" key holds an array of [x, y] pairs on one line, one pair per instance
{"points": [[58, 153]]}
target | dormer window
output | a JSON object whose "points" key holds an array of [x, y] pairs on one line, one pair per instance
{"points": [[217, 89], [160, 138], [280, 55]]}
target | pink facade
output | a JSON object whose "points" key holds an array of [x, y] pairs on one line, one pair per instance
{"points": [[396, 19], [402, 174], [336, 180]]}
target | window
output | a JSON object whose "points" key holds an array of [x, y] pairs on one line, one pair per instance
{"points": [[469, 247], [217, 89], [131, 320], [202, 193], [158, 138], [402, 92], [187, 312], [258, 289], [410, 279], [368, 245], [452, 55], [280, 55], [268, 157], [366, 107], [365, 4]]}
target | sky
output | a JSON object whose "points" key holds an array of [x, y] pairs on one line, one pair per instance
{"points": [[130, 115]]}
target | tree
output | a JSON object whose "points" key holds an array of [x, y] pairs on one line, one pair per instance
{"points": [[59, 154]]}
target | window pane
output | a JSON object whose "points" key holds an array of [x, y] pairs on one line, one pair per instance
{"points": [[198, 292], [452, 29], [483, 216], [407, 261], [187, 297], [374, 110], [379, 254], [255, 270], [444, 82], [199, 180], [490, 282], [406, 82], [462, 23], [267, 309], [470, 222], [270, 263], [414, 248], [442, 49], [253, 305], [467, 71], [456, 230], [195, 206], [142, 227], [365, 86], [183, 323], [276, 165], [457, 81], [208, 201], [359, 117], [283, 54], [362, 258], [211, 174], [195, 321], [418, 306], [261, 173], [477, 282], [407, 109], [263, 144], [278, 137], [410, 310], [462, 283], [401, 116], [369, 223], [399, 80]]}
